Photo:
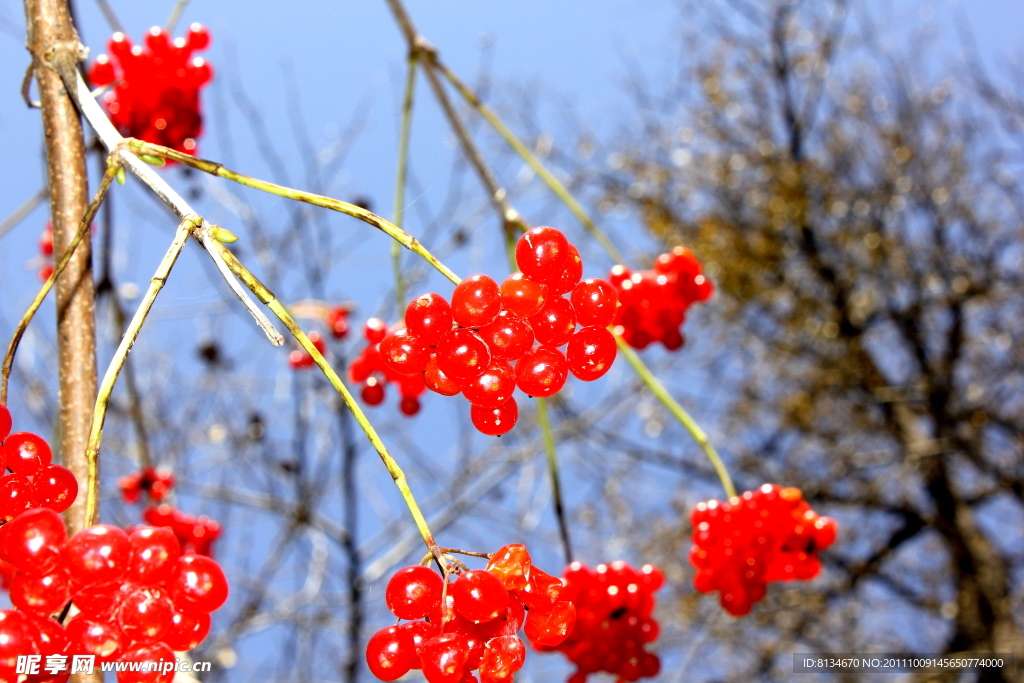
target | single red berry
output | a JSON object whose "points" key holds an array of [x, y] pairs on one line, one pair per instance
{"points": [[462, 355], [509, 337], [554, 324], [413, 592], [17, 494], [32, 541], [186, 631], [102, 72], [502, 658], [390, 653], [437, 381], [476, 301], [336, 321], [56, 487], [18, 637], [521, 295], [570, 276], [541, 254], [495, 421], [444, 658], [595, 302], [5, 425], [99, 554], [542, 372], [25, 453], [403, 353], [590, 353], [618, 275], [704, 288], [493, 388], [95, 637], [145, 613], [162, 670], [375, 330], [680, 261], [511, 564], [372, 392], [198, 584], [53, 640], [97, 601], [550, 628], [410, 405], [44, 595], [479, 596], [420, 632], [157, 40], [155, 551], [428, 317], [198, 37]]}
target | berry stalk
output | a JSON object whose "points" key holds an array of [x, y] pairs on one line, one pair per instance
{"points": [[401, 173], [270, 300], [83, 230], [691, 426], [219, 170], [159, 279], [556, 484]]}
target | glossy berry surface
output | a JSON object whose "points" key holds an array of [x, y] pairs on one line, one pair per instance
{"points": [[198, 585], [413, 592], [404, 353], [375, 330], [5, 422], [390, 653], [476, 301], [437, 381], [509, 336], [595, 302], [572, 271], [26, 453], [428, 317], [590, 353], [554, 324], [522, 296], [32, 541], [55, 487], [462, 355], [99, 554], [542, 372], [493, 388], [541, 254], [479, 596], [495, 421]]}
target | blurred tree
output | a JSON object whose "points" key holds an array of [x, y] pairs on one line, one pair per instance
{"points": [[862, 221]]}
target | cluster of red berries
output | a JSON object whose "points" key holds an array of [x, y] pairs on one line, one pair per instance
{"points": [[156, 95], [770, 534], [154, 483], [370, 370], [477, 627], [46, 252], [33, 481], [194, 534], [138, 597], [613, 620], [654, 302], [470, 344]]}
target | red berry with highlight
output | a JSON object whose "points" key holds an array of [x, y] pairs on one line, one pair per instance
{"points": [[404, 353], [413, 592], [493, 388], [428, 317], [542, 372], [554, 324], [509, 337], [437, 381], [26, 453], [521, 295], [462, 355], [590, 353], [476, 301], [570, 276], [495, 421], [595, 302], [375, 330], [541, 254]]}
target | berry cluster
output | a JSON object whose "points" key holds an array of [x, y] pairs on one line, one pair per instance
{"points": [[299, 359], [613, 620], [139, 598], [477, 627], [155, 96], [33, 481], [46, 252], [194, 534], [654, 302], [336, 321], [370, 370], [150, 481], [470, 344], [770, 534]]}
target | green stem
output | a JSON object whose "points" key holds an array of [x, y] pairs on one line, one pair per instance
{"points": [[83, 230], [271, 301], [401, 173], [219, 170], [556, 485], [698, 435]]}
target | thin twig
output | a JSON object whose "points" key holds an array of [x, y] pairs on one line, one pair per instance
{"points": [[83, 230], [172, 21], [22, 212], [106, 388], [219, 170], [556, 485], [400, 175], [108, 14]]}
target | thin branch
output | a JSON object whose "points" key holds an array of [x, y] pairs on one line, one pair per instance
{"points": [[172, 21], [401, 173], [556, 485], [22, 212], [108, 14]]}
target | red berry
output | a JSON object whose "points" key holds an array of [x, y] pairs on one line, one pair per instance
{"points": [[511, 564], [404, 353], [94, 637], [570, 276], [32, 541], [428, 317], [145, 613], [704, 288], [479, 596], [554, 323], [102, 72], [157, 40], [420, 632], [158, 653], [444, 658], [541, 254], [493, 388], [590, 353], [5, 425], [502, 658], [476, 301], [25, 453], [495, 421], [17, 494], [521, 295], [413, 592], [56, 488], [186, 631], [337, 322], [198, 37], [375, 330], [437, 381], [509, 337], [542, 372], [198, 585], [99, 554], [98, 600], [595, 302], [462, 355], [373, 392], [155, 551], [410, 405], [551, 627], [679, 261], [18, 637], [53, 640], [390, 653], [40, 594]]}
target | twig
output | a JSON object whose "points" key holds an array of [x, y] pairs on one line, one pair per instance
{"points": [[400, 175], [83, 230], [185, 228], [698, 435], [219, 170], [22, 212], [556, 485], [108, 14], [172, 21], [115, 143], [271, 301]]}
